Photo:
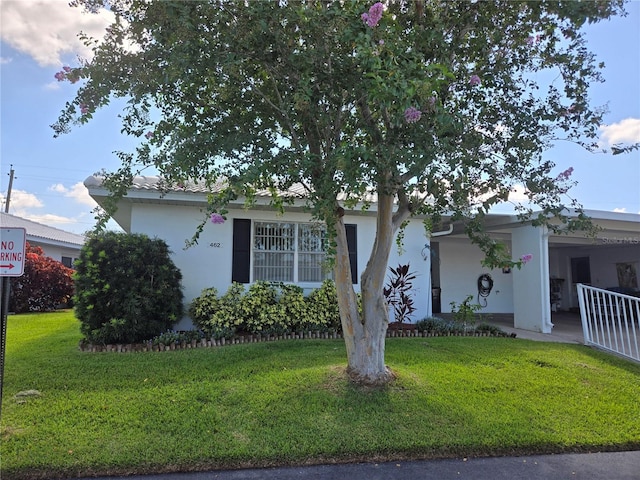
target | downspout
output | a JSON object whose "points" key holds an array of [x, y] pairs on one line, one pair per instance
{"points": [[545, 279], [442, 232]]}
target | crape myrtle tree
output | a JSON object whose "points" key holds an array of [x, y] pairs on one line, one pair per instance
{"points": [[428, 107]]}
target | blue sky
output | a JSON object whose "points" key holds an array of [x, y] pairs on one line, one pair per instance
{"points": [[39, 37]]}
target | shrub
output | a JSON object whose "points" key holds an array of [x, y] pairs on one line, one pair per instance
{"points": [[45, 283], [397, 291], [266, 308], [127, 288], [322, 308], [465, 313], [218, 317], [491, 330], [202, 308], [435, 325], [261, 309], [295, 306]]}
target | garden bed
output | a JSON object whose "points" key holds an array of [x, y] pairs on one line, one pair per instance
{"points": [[394, 331]]}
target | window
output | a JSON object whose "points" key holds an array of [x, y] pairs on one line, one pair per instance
{"points": [[285, 251], [312, 247], [67, 262], [289, 252]]}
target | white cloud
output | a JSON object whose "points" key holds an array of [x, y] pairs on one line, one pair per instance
{"points": [[5, 60], [47, 29], [625, 131], [21, 201], [52, 86], [50, 219], [78, 192], [620, 210]]}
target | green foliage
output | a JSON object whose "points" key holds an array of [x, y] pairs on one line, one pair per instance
{"points": [[230, 314], [322, 305], [441, 326], [202, 308], [169, 337], [44, 285], [127, 288], [265, 308], [262, 309], [310, 93], [465, 313]]}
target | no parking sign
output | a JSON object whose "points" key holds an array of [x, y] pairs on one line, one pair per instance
{"points": [[12, 247]]}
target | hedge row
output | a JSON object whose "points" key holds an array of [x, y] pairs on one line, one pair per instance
{"points": [[265, 308]]}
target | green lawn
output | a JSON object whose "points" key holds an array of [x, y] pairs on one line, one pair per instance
{"points": [[288, 403]]}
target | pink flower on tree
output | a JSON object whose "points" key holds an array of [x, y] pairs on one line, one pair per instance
{"points": [[375, 14], [84, 108], [217, 219], [565, 175], [474, 80], [148, 135], [60, 76], [66, 69], [526, 258], [412, 115]]}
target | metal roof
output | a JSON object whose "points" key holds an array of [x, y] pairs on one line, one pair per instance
{"points": [[43, 233]]}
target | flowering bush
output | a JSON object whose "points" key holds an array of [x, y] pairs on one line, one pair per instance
{"points": [[45, 284]]}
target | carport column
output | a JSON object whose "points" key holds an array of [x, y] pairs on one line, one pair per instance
{"points": [[531, 301]]}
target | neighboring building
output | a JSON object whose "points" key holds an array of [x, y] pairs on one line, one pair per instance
{"points": [[259, 244], [57, 244]]}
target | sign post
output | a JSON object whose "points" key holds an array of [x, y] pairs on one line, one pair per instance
{"points": [[12, 259]]}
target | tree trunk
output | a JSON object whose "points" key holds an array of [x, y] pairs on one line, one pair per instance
{"points": [[364, 335]]}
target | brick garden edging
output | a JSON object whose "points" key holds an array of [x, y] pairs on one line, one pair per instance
{"points": [[203, 343]]}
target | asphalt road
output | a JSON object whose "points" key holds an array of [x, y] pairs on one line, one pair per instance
{"points": [[587, 466]]}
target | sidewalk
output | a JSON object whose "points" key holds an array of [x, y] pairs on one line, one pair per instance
{"points": [[567, 328], [587, 466]]}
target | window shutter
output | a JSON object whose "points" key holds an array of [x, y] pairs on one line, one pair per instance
{"points": [[352, 244], [241, 255]]}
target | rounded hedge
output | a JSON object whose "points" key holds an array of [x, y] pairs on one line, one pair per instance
{"points": [[127, 288]]}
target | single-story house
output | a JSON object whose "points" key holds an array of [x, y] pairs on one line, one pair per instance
{"points": [[259, 244], [58, 244]]}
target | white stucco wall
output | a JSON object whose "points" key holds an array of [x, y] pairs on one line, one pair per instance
{"points": [[209, 263], [56, 252], [531, 305], [460, 266]]}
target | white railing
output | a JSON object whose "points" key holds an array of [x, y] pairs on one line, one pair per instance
{"points": [[610, 320]]}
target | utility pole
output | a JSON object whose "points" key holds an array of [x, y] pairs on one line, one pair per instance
{"points": [[8, 199]]}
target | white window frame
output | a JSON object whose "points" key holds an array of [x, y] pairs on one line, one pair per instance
{"points": [[297, 254]]}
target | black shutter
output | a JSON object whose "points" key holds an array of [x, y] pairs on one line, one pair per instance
{"points": [[352, 245], [241, 255]]}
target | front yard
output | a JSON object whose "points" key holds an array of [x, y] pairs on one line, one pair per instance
{"points": [[70, 413]]}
